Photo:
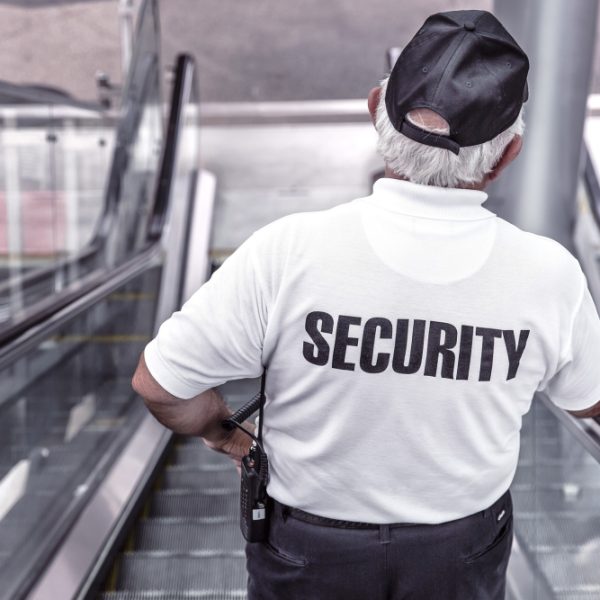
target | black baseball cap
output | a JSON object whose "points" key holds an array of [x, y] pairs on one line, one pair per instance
{"points": [[466, 67]]}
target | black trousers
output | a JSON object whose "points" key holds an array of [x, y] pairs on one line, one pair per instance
{"points": [[309, 559]]}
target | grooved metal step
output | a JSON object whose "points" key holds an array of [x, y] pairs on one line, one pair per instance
{"points": [[199, 478], [194, 455], [209, 503], [583, 475], [535, 499], [548, 448], [591, 595], [151, 571], [186, 595], [186, 535], [561, 570], [189, 546], [564, 533]]}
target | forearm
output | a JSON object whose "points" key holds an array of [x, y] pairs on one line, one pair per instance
{"points": [[199, 416], [587, 413]]}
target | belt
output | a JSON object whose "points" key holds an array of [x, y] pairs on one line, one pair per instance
{"points": [[326, 521], [302, 515]]}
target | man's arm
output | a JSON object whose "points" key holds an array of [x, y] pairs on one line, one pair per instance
{"points": [[593, 411], [200, 416], [575, 386]]}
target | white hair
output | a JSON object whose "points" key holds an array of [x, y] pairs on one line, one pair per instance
{"points": [[430, 165]]}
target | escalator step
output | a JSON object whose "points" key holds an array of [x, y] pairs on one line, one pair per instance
{"points": [[183, 595], [558, 461], [196, 454], [562, 571], [187, 535], [589, 595], [531, 499], [581, 474], [567, 534], [541, 448], [197, 478], [208, 503], [156, 571]]}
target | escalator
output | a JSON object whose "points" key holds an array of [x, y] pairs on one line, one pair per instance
{"points": [[187, 541], [68, 414], [556, 495], [98, 501], [556, 490], [72, 405], [120, 182]]}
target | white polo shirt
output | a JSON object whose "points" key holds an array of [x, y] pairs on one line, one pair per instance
{"points": [[404, 336]]}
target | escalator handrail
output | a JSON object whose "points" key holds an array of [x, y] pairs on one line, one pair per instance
{"points": [[90, 293], [585, 431], [184, 64], [154, 445], [162, 249], [42, 95], [133, 92], [126, 129], [155, 254], [590, 180], [75, 502], [36, 275]]}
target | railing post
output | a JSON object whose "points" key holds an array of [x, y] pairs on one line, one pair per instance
{"points": [[537, 192]]}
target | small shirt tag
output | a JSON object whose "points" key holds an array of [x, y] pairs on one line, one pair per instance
{"points": [[258, 514]]}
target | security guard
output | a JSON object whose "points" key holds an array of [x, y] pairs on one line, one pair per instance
{"points": [[404, 335]]}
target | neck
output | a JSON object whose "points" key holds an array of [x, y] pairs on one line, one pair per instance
{"points": [[480, 185]]}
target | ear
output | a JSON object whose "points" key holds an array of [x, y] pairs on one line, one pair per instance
{"points": [[510, 153], [373, 102]]}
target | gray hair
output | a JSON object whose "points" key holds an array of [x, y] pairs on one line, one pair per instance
{"points": [[430, 165]]}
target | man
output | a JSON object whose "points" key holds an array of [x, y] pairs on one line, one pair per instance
{"points": [[404, 335]]}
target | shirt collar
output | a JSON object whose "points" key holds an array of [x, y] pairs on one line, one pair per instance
{"points": [[428, 201]]}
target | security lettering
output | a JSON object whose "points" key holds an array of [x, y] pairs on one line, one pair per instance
{"points": [[436, 348]]}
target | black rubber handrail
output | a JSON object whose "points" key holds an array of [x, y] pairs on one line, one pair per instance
{"points": [[135, 89], [22, 347], [184, 68], [586, 431], [36, 94], [36, 275], [590, 180], [126, 129], [25, 339], [89, 293]]}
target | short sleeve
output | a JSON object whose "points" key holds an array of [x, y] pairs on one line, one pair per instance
{"points": [[218, 334], [576, 385]]}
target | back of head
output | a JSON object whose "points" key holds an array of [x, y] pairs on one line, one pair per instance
{"points": [[453, 101]]}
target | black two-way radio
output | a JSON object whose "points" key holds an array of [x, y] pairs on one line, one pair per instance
{"points": [[254, 502]]}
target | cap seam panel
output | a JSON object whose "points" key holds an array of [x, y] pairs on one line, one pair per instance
{"points": [[493, 75], [445, 73], [507, 43], [479, 18]]}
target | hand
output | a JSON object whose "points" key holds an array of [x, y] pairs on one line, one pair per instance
{"points": [[235, 444]]}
